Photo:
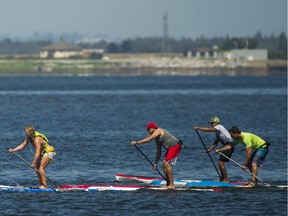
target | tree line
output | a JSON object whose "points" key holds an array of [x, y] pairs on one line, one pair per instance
{"points": [[276, 45]]}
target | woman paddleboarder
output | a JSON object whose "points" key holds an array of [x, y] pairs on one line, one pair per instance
{"points": [[44, 153]]}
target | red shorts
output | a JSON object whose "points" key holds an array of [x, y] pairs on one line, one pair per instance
{"points": [[172, 154]]}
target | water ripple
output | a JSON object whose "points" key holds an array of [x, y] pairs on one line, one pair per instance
{"points": [[237, 91]]}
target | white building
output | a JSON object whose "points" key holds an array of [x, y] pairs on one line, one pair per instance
{"points": [[247, 54], [62, 49]]}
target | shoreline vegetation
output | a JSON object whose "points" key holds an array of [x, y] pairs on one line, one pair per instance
{"points": [[138, 64]]}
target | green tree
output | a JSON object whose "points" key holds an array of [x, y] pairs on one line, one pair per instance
{"points": [[126, 46], [113, 48], [282, 42]]}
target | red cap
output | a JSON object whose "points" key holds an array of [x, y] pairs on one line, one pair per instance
{"points": [[151, 125]]}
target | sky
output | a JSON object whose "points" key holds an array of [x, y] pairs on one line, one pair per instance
{"points": [[143, 18]]}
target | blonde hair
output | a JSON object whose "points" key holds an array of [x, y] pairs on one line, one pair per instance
{"points": [[31, 131]]}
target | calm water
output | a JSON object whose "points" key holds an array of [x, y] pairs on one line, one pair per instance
{"points": [[92, 120]]}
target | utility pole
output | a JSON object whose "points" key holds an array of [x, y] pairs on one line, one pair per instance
{"points": [[165, 46]]}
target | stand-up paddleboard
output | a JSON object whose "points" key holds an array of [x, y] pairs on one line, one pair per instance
{"points": [[101, 187], [94, 188], [203, 183], [113, 187], [141, 187], [134, 178], [74, 187], [26, 189], [192, 183], [186, 183]]}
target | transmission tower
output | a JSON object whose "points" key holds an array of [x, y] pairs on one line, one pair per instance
{"points": [[165, 46]]}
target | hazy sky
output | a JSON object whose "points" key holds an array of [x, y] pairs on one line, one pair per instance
{"points": [[132, 18]]}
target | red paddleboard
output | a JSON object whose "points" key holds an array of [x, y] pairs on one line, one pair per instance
{"points": [[142, 179]]}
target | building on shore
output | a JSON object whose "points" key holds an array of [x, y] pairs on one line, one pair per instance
{"points": [[62, 49], [247, 54], [93, 53], [236, 54], [203, 52]]}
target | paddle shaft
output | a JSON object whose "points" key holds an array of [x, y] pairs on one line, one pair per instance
{"points": [[209, 154], [35, 169], [150, 162], [240, 166]]}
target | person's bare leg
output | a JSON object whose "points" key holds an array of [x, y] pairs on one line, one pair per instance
{"points": [[45, 160], [168, 175], [223, 171], [165, 173], [255, 172]]}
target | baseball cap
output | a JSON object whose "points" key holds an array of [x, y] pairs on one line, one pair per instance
{"points": [[214, 120], [151, 125]]}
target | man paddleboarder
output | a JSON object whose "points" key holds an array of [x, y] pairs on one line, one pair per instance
{"points": [[256, 150], [163, 139], [223, 136]]}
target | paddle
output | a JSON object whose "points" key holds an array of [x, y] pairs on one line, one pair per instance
{"points": [[209, 154], [245, 169], [35, 169], [150, 162]]}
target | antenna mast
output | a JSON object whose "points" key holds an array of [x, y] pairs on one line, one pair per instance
{"points": [[165, 48]]}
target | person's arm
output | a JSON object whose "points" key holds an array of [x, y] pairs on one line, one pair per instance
{"points": [[156, 133], [213, 146], [247, 158], [19, 147], [205, 129], [225, 148], [158, 154], [37, 144]]}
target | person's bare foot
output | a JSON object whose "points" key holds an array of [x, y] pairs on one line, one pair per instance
{"points": [[252, 184], [224, 180], [169, 186]]}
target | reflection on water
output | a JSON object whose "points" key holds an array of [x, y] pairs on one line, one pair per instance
{"points": [[240, 91]]}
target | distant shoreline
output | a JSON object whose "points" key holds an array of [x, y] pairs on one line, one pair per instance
{"points": [[138, 65]]}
